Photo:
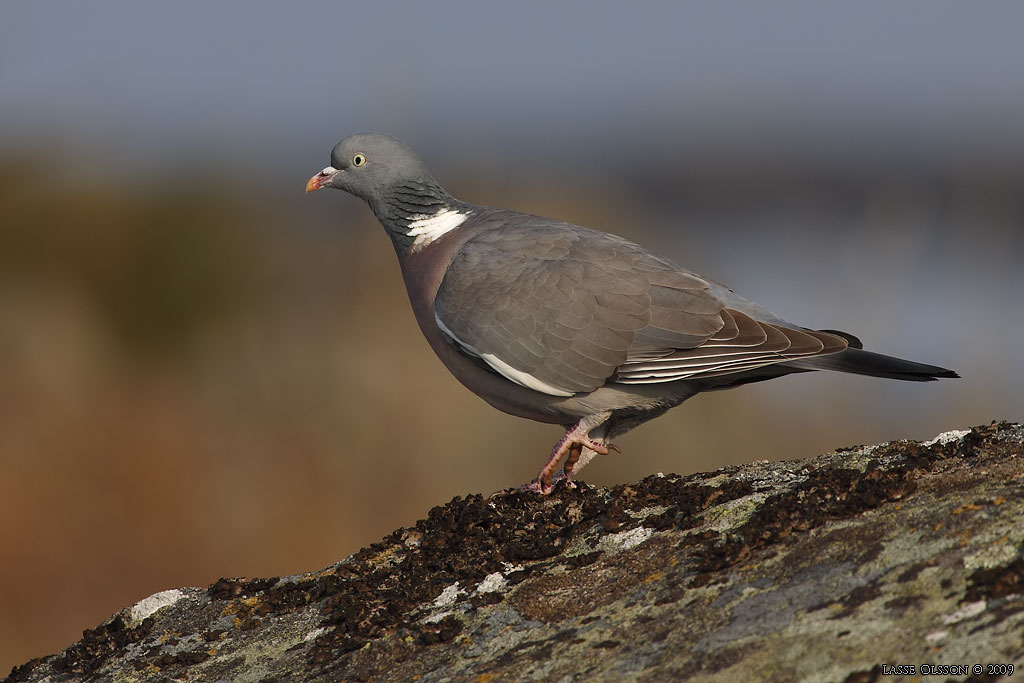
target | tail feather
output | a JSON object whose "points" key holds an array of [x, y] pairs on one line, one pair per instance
{"points": [[858, 362]]}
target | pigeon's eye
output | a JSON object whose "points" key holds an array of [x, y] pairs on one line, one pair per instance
{"points": [[359, 159]]}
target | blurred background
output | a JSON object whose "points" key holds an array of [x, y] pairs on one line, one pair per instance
{"points": [[205, 373]]}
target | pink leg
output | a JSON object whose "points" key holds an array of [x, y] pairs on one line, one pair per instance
{"points": [[571, 447], [570, 460]]}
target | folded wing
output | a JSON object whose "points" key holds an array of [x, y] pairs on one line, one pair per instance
{"points": [[565, 310]]}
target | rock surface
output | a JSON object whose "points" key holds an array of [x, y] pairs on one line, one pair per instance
{"points": [[902, 553]]}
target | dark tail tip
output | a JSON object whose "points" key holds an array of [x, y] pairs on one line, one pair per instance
{"points": [[860, 362]]}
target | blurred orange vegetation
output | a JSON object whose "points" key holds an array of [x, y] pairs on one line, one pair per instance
{"points": [[203, 380]]}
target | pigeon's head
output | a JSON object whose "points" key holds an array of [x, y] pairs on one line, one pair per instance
{"points": [[368, 165]]}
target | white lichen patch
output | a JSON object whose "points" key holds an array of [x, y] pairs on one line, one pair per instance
{"points": [[442, 602], [492, 583], [646, 512], [971, 609], [448, 596], [733, 513], [147, 607], [998, 556], [907, 548], [717, 480], [947, 437], [625, 540], [314, 634], [936, 636], [434, 618]]}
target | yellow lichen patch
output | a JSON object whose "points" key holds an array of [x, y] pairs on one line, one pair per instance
{"points": [[999, 500], [167, 635], [392, 555], [236, 606], [966, 507], [656, 576], [486, 678]]}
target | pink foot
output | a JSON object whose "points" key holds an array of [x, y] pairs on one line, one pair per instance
{"points": [[571, 447]]}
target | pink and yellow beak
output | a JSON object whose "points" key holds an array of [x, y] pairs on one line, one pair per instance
{"points": [[320, 179]]}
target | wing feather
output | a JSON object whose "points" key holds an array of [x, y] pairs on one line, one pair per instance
{"points": [[564, 310]]}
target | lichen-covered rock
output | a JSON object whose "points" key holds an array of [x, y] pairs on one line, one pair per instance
{"points": [[828, 569]]}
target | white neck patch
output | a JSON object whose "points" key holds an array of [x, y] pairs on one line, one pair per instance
{"points": [[425, 228]]}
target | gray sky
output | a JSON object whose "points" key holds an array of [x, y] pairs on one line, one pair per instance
{"points": [[935, 80]]}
